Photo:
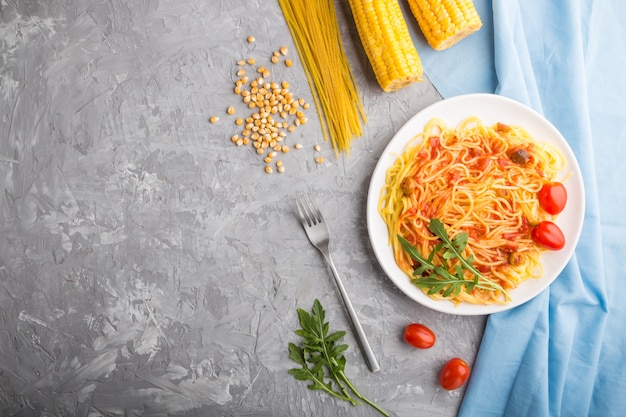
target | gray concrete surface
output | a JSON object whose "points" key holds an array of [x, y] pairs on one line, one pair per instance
{"points": [[150, 267]]}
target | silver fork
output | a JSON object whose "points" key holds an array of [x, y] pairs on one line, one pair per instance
{"points": [[319, 235]]}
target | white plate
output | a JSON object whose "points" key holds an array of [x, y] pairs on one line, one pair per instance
{"points": [[491, 109]]}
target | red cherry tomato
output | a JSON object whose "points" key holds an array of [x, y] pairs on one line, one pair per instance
{"points": [[454, 374], [419, 336], [549, 235], [552, 197]]}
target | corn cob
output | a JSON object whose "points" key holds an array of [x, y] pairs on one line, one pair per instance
{"points": [[387, 42], [445, 22]]}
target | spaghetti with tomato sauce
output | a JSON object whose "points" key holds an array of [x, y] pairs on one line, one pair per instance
{"points": [[477, 179]]}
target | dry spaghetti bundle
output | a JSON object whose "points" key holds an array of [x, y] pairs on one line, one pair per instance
{"points": [[315, 31]]}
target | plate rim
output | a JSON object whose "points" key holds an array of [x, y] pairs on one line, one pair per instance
{"points": [[459, 105]]}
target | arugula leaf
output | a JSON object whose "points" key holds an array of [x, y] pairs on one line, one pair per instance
{"points": [[437, 279], [321, 358]]}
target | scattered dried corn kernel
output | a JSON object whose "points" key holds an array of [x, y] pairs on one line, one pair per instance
{"points": [[214, 119], [319, 160], [251, 39], [267, 100]]}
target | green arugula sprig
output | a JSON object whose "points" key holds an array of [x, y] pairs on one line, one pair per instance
{"points": [[437, 279], [321, 358]]}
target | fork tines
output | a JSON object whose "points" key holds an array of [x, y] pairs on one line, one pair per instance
{"points": [[308, 211]]}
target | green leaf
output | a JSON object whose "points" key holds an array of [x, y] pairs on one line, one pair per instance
{"points": [[296, 354], [305, 321], [437, 279], [321, 358], [325, 328], [338, 350], [300, 374], [316, 385], [335, 336]]}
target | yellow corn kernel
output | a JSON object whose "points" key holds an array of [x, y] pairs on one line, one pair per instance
{"points": [[387, 43], [445, 22]]}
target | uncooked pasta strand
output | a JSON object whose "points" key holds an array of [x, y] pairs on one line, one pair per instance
{"points": [[315, 31]]}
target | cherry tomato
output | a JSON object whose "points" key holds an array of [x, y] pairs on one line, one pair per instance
{"points": [[549, 235], [419, 336], [552, 197], [454, 374]]}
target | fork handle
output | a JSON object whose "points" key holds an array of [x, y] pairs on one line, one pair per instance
{"points": [[366, 349]]}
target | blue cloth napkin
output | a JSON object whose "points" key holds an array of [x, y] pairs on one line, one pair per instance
{"points": [[563, 353]]}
